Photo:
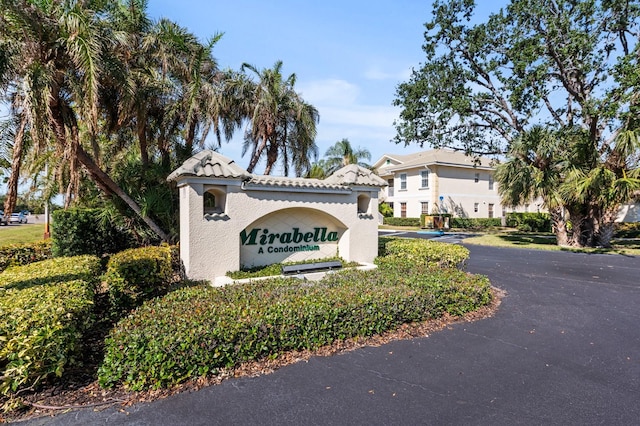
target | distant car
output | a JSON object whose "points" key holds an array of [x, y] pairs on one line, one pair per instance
{"points": [[18, 217], [3, 221]]}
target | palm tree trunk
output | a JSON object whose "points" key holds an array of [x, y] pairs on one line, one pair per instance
{"points": [[257, 153], [142, 141], [108, 186], [272, 158], [12, 187], [559, 226]]}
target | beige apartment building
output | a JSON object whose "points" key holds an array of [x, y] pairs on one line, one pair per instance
{"points": [[442, 181]]}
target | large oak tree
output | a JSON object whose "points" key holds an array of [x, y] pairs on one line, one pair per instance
{"points": [[570, 66]]}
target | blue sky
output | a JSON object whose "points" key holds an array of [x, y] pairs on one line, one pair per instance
{"points": [[348, 57]]}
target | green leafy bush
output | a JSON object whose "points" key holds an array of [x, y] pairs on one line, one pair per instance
{"points": [[45, 308], [385, 210], [529, 222], [410, 253], [627, 230], [475, 223], [138, 274], [402, 221], [86, 231], [21, 254], [196, 331], [57, 270]]}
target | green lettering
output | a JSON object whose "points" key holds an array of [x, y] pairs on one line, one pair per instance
{"points": [[263, 237], [297, 235], [272, 238], [285, 238], [251, 237], [308, 237], [333, 236]]}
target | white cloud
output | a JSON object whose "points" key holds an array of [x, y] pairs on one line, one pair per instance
{"points": [[331, 91], [377, 74], [359, 115]]}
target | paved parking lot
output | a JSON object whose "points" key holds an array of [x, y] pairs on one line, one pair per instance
{"points": [[564, 348]]}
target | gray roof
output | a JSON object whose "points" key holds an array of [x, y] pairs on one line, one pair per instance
{"points": [[353, 174], [434, 157], [211, 164], [287, 182]]}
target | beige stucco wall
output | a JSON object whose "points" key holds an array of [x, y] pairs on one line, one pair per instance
{"points": [[210, 245]]}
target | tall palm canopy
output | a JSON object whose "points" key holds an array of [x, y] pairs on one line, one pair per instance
{"points": [[342, 154], [107, 92], [282, 126]]}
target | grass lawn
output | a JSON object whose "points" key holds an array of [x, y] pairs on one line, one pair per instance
{"points": [[18, 234], [629, 246]]}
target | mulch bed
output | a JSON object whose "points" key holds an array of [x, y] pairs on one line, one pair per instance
{"points": [[80, 390]]}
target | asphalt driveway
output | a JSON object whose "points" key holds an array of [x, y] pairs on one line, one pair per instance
{"points": [[564, 348]]}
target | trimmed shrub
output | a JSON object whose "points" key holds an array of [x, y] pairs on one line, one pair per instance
{"points": [[196, 331], [57, 270], [402, 221], [22, 254], [529, 222], [409, 253], [138, 274], [46, 306], [84, 231], [475, 223], [627, 230]]}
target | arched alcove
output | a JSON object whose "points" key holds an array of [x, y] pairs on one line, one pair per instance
{"points": [[291, 235], [364, 200], [214, 200]]}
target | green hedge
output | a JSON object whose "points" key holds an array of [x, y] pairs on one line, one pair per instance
{"points": [[138, 274], [627, 230], [475, 223], [196, 331], [22, 254], [46, 306], [409, 253], [57, 270], [85, 231], [402, 221], [529, 222]]}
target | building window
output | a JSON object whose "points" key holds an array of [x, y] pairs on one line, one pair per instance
{"points": [[425, 207], [475, 207], [490, 211], [490, 182], [476, 179], [403, 182], [403, 209], [388, 161], [424, 177]]}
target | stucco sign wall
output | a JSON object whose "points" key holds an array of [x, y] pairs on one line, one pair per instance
{"points": [[231, 219]]}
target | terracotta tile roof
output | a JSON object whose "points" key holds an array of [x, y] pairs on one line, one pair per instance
{"points": [[353, 174], [287, 182], [209, 163]]}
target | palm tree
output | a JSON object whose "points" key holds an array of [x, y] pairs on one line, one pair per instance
{"points": [[282, 126], [62, 52], [602, 185], [534, 169], [342, 154]]}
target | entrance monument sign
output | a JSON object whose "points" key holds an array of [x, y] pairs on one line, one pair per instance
{"points": [[231, 219]]}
